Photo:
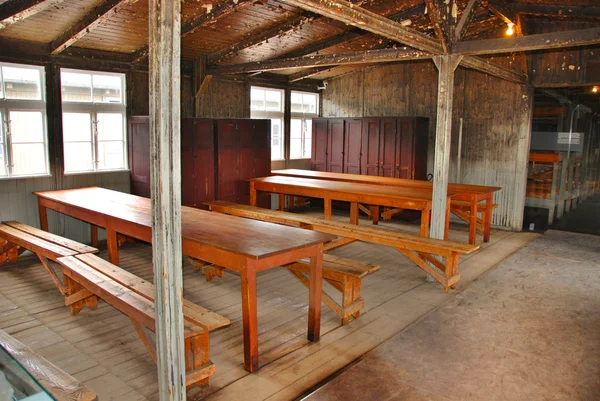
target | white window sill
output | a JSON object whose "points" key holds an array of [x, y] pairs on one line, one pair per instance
{"points": [[19, 177], [120, 170]]}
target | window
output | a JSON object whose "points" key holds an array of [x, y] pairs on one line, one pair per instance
{"points": [[305, 106], [93, 121], [23, 144], [268, 103]]}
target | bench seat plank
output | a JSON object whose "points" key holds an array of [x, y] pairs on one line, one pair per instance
{"points": [[56, 239], [34, 244]]}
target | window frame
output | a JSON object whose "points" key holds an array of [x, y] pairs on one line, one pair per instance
{"points": [[93, 109], [272, 114], [22, 105], [303, 117]]}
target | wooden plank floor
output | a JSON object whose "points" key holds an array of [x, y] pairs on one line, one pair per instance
{"points": [[101, 348]]}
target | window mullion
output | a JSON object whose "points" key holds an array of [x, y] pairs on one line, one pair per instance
{"points": [[95, 161]]}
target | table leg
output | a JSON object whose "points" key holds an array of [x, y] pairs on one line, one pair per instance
{"points": [[473, 222], [252, 194], [43, 216], [375, 214], [281, 202], [113, 245], [487, 219], [250, 316], [327, 208], [314, 295], [94, 235], [354, 213], [291, 204], [425, 216]]}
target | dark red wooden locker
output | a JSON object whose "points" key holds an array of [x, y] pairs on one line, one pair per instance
{"points": [[188, 196], [247, 154], [228, 173], [204, 162], [319, 145], [387, 148], [405, 152], [139, 155], [335, 146], [352, 145], [262, 158], [421, 130], [370, 146]]}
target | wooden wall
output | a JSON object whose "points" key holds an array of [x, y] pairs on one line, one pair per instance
{"points": [[496, 122]]}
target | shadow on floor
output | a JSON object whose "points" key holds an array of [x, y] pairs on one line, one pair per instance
{"points": [[584, 219]]}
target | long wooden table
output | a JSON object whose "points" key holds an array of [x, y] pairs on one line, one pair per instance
{"points": [[355, 193], [244, 245], [473, 194]]}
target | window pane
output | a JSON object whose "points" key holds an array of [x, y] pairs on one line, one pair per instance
{"points": [[22, 83], [257, 99], [78, 156], [77, 127], [110, 126], [276, 139], [107, 89], [296, 128], [110, 155], [2, 156], [273, 100], [310, 102], [295, 148], [28, 159], [296, 102], [307, 139], [26, 126], [76, 87]]}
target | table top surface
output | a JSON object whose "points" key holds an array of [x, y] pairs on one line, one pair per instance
{"points": [[251, 238], [351, 188], [391, 181]]}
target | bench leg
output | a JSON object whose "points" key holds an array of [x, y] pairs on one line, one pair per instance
{"points": [[350, 295], [375, 214], [198, 367], [354, 213], [76, 297]]}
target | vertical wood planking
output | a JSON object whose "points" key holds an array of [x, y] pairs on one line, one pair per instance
{"points": [[165, 172]]}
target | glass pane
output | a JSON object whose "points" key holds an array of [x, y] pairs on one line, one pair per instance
{"points": [[26, 126], [76, 87], [310, 102], [273, 100], [276, 139], [257, 99], [110, 126], [110, 155], [22, 83], [29, 159], [77, 127], [107, 89], [296, 128], [296, 102], [2, 163], [307, 138], [78, 156], [295, 148], [1, 85]]}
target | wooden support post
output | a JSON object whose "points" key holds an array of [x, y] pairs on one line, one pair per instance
{"points": [[446, 66], [165, 172], [201, 81]]}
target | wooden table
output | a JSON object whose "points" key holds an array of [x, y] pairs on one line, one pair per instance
{"points": [[474, 194], [355, 193], [244, 245]]}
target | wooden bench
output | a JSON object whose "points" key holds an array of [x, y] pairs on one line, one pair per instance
{"points": [[345, 275], [422, 251], [90, 277], [462, 210], [16, 237]]}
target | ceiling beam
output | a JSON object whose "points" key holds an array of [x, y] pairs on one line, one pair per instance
{"points": [[554, 40], [263, 35], [364, 57], [87, 24], [465, 20], [440, 15], [502, 9], [551, 10], [13, 11], [351, 14], [483, 65], [307, 73]]}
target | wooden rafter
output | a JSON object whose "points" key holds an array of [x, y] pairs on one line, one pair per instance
{"points": [[351, 14], [552, 10], [307, 73], [262, 36], [502, 9], [555, 40], [465, 20], [480, 64], [13, 11], [440, 15], [364, 57], [85, 25]]}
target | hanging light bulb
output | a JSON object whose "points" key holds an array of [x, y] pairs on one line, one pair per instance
{"points": [[595, 89], [510, 29]]}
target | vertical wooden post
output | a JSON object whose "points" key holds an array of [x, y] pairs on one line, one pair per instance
{"points": [[446, 66], [165, 172]]}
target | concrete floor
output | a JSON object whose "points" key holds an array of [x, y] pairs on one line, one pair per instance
{"points": [[527, 330], [585, 218]]}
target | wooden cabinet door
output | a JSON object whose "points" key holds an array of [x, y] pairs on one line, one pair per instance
{"points": [[188, 173], [319, 145], [139, 155], [406, 150], [204, 162], [262, 160], [421, 139], [228, 170], [335, 146], [352, 145], [387, 148], [370, 146]]}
